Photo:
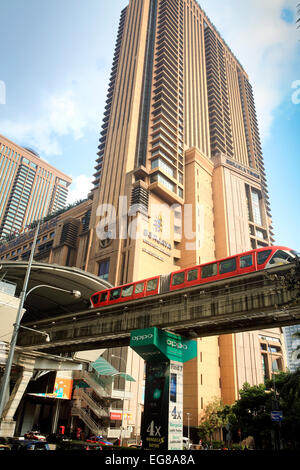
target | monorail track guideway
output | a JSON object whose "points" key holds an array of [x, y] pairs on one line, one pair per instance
{"points": [[269, 298]]}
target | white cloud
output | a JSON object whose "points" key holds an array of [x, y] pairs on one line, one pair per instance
{"points": [[264, 44], [71, 111], [261, 40], [79, 189]]}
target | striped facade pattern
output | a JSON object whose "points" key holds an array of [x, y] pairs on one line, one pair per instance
{"points": [[193, 93], [30, 188], [175, 85]]}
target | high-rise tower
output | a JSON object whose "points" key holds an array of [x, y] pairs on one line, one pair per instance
{"points": [[30, 188], [180, 145], [175, 86]]}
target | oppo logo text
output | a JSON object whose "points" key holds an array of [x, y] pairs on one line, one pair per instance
{"points": [[142, 337], [176, 345]]}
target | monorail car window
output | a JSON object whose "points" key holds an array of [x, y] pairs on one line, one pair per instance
{"points": [[281, 255], [178, 278], [227, 266], [209, 270], [127, 291], [139, 288], [246, 261], [95, 298], [115, 294], [152, 285], [192, 275], [103, 296], [262, 256]]}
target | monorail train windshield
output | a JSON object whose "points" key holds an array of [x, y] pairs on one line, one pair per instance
{"points": [[282, 256], [296, 253]]}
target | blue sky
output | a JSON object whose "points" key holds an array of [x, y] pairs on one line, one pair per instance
{"points": [[55, 62]]}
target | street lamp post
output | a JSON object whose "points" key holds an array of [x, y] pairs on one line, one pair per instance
{"points": [[275, 401], [24, 294], [122, 423], [6, 376], [188, 418]]}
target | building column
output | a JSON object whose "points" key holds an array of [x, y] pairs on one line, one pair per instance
{"points": [[7, 424]]}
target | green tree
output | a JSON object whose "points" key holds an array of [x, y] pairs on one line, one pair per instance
{"points": [[288, 390], [252, 415], [212, 421]]}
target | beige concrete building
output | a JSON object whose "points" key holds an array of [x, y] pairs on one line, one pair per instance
{"points": [[179, 181], [180, 130], [30, 188]]}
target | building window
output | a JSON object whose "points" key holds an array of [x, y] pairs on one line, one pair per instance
{"points": [[161, 179], [256, 207], [159, 163], [103, 269]]}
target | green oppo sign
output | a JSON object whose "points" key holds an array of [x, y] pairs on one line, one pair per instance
{"points": [[164, 354], [153, 344]]}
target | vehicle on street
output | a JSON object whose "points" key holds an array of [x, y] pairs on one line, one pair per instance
{"points": [[99, 440], [4, 447], [26, 444], [34, 435], [186, 443]]}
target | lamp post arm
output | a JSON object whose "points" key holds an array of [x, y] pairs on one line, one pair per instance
{"points": [[50, 287]]}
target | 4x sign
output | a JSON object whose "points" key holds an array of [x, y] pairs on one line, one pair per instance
{"points": [[153, 430]]}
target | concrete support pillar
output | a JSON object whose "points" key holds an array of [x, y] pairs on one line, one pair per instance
{"points": [[55, 417], [7, 424]]}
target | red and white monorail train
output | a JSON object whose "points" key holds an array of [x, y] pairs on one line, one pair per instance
{"points": [[254, 260]]}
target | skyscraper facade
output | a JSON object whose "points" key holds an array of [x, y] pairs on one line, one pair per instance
{"points": [[30, 188], [180, 104], [180, 150]]}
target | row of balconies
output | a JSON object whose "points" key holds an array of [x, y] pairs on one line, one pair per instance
{"points": [[110, 93]]}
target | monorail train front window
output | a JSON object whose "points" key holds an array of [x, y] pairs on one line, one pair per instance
{"points": [[281, 257], [295, 253]]}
